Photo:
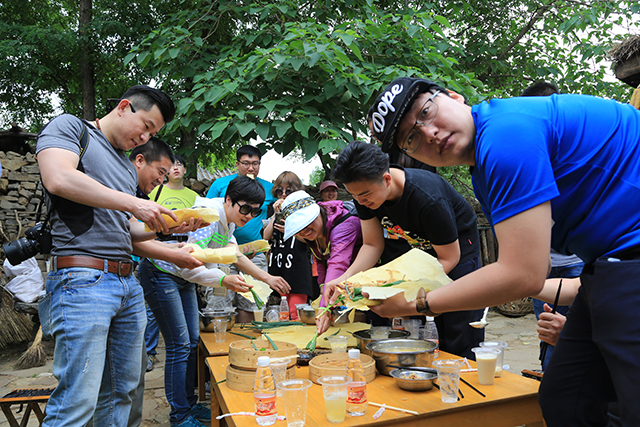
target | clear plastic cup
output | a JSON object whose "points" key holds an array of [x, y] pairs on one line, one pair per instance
{"points": [[413, 326], [279, 370], [258, 314], [448, 378], [294, 395], [338, 343], [220, 330], [500, 345], [334, 390], [486, 358], [379, 332]]}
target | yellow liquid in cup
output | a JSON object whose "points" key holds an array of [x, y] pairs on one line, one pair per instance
{"points": [[336, 406]]}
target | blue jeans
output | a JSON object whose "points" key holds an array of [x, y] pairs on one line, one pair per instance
{"points": [[97, 319], [151, 334], [568, 271], [175, 307]]}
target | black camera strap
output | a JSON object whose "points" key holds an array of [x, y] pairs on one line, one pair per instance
{"points": [[84, 141]]}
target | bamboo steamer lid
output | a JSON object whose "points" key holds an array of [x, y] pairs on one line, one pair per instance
{"points": [[242, 380], [336, 364], [242, 355]]}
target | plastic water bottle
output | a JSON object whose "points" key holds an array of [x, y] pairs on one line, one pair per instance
{"points": [[284, 309], [431, 334], [357, 389], [264, 393]]}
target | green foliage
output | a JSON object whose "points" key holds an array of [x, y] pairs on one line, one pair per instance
{"points": [[316, 176], [40, 51], [298, 76]]}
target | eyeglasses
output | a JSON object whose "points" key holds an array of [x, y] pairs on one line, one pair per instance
{"points": [[248, 209], [133, 110], [280, 192], [177, 164], [246, 164], [426, 115]]}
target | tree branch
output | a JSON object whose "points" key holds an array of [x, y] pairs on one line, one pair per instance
{"points": [[535, 18]]}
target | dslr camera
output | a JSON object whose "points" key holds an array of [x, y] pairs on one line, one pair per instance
{"points": [[37, 239]]}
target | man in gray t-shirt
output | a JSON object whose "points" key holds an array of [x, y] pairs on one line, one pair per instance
{"points": [[94, 306]]}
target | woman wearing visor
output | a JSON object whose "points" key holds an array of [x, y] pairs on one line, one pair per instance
{"points": [[332, 233]]}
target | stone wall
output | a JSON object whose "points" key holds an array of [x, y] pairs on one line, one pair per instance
{"points": [[20, 194]]}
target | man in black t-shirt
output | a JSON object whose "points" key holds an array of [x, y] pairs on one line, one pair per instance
{"points": [[421, 208]]}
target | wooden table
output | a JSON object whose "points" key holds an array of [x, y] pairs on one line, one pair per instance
{"points": [[208, 347], [511, 401]]}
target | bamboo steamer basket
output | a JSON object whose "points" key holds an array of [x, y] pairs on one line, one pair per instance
{"points": [[242, 355], [336, 364], [242, 379]]}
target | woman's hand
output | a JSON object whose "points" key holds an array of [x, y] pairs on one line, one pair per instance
{"points": [[323, 322], [236, 283]]}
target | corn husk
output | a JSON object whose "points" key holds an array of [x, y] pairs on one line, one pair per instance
{"points": [[209, 215]]}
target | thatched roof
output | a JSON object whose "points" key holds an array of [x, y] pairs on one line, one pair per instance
{"points": [[625, 49]]}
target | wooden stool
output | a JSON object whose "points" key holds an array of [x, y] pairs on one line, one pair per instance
{"points": [[32, 397]]}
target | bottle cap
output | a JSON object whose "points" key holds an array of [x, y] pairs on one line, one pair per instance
{"points": [[284, 298], [354, 353], [264, 361], [430, 319]]}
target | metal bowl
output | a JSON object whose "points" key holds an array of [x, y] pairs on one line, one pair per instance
{"points": [[422, 382], [364, 337], [306, 314], [207, 315], [402, 352]]}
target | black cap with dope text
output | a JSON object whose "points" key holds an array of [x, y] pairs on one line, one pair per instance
{"points": [[392, 104]]}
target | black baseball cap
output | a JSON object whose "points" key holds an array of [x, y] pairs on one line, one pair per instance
{"points": [[392, 104]]}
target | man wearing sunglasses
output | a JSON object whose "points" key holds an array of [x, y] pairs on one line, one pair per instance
{"points": [[557, 171], [237, 208], [248, 164]]}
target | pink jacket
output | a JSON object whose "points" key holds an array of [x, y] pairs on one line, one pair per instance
{"points": [[345, 241]]}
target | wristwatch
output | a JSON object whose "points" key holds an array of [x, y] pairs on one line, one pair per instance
{"points": [[422, 305]]}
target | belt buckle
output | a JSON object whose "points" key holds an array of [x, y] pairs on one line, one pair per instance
{"points": [[122, 264]]}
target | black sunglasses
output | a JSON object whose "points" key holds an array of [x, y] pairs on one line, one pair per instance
{"points": [[279, 192], [247, 208]]}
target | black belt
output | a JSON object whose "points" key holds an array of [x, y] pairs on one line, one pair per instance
{"points": [[172, 237]]}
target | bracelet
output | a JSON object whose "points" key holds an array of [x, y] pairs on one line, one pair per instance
{"points": [[220, 281], [422, 305]]}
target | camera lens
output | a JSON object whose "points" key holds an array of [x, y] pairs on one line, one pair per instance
{"points": [[20, 250]]}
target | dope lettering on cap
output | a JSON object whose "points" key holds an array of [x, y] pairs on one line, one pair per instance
{"points": [[385, 105]]}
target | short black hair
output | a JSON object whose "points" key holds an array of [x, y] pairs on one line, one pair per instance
{"points": [[153, 150], [144, 97], [245, 188], [248, 150], [360, 161], [541, 89], [179, 158]]}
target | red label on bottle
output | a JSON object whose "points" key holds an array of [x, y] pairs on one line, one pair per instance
{"points": [[357, 395], [284, 316], [265, 406]]}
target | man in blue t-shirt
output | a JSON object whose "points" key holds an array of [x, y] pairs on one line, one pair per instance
{"points": [[248, 160], [570, 162]]}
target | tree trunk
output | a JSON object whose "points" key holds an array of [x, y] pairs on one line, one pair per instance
{"points": [[86, 61]]}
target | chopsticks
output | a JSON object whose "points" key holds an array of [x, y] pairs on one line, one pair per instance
{"points": [[394, 408], [477, 391], [545, 345]]}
